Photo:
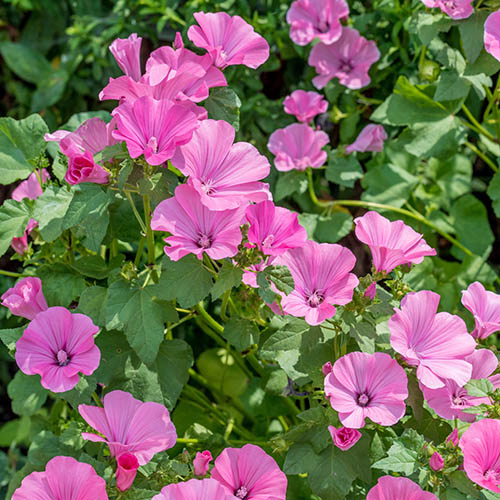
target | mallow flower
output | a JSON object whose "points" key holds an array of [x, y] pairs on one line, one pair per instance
{"points": [[26, 298], [492, 34], [195, 489], [456, 9], [371, 138], [83, 168], [485, 306], [304, 105], [126, 470], [436, 462], [127, 53], [201, 462], [398, 488], [344, 438]]}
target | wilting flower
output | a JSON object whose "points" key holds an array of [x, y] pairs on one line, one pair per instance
{"points": [[371, 138], [321, 275], [229, 40], [310, 19], [485, 306], [26, 298], [297, 147], [456, 9], [480, 445], [127, 52], [127, 465], [344, 438], [201, 462], [391, 243], [348, 59], [367, 385], [194, 489], [130, 426], [225, 174], [305, 105], [398, 488], [492, 34], [58, 345], [83, 168], [453, 437], [436, 462], [63, 479], [250, 473], [436, 343]]}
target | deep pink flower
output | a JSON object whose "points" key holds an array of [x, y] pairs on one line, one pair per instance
{"points": [[436, 462], [456, 9], [348, 59], [436, 343], [326, 368], [480, 445], [492, 34], [153, 128], [398, 488], [344, 438], [26, 298], [127, 52], [367, 385], [297, 147], [371, 291], [224, 173], [201, 462], [63, 479], [485, 306], [130, 426], [58, 345], [310, 19], [194, 489], [127, 465], [305, 105], [229, 40], [83, 168], [30, 188], [453, 437], [250, 473], [391, 243], [321, 275], [371, 138], [195, 228]]}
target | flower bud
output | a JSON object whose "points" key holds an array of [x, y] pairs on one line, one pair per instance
{"points": [[436, 462], [126, 471], [344, 438], [201, 462]]}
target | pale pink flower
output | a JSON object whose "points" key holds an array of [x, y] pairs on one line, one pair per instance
{"points": [[436, 343], [83, 168], [225, 174], [310, 19], [229, 40], [344, 438], [436, 462], [371, 138], [130, 426], [367, 385], [153, 128], [127, 52], [391, 243], [485, 306], [371, 291], [195, 228], [30, 188], [127, 465], [456, 9], [453, 437], [492, 34], [305, 105], [201, 462], [480, 445], [398, 488], [26, 298], [297, 147], [348, 59], [250, 473], [58, 345], [321, 275], [194, 489], [63, 479]]}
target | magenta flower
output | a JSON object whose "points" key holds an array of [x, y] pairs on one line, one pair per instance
{"points": [[153, 128], [492, 34], [321, 275], [480, 445], [436, 462], [326, 368], [26, 299], [126, 471], [229, 40], [83, 168], [348, 59], [201, 462], [344, 438], [63, 479], [30, 188], [195, 228], [453, 437], [130, 426], [371, 138], [391, 243], [485, 306], [398, 488], [367, 385], [250, 473], [310, 19], [297, 147], [305, 105], [437, 344], [127, 52], [371, 291], [58, 345], [456, 9], [225, 174], [194, 489]]}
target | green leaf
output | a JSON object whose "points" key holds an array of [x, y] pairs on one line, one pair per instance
{"points": [[81, 393], [92, 266], [434, 429], [27, 394], [326, 229], [10, 336], [494, 193], [451, 86], [25, 62], [229, 276], [299, 458], [289, 183], [93, 303], [472, 33], [49, 210], [343, 171], [14, 217], [428, 26], [264, 290], [61, 285], [281, 277], [241, 333], [158, 186], [480, 388], [224, 104]]}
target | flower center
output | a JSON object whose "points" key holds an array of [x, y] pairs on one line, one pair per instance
{"points": [[363, 400], [204, 241], [153, 144], [268, 240], [207, 188], [315, 299], [323, 26], [493, 475], [62, 357], [241, 492], [345, 66]]}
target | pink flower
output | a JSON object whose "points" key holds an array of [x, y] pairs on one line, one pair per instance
{"points": [[126, 470], [130, 426], [153, 128], [348, 59], [327, 368], [65, 479], [456, 9], [391, 243], [367, 385], [492, 34], [304, 105], [250, 473], [480, 445], [26, 299], [127, 52], [321, 275], [83, 168], [58, 345], [30, 188], [398, 488], [225, 174], [297, 147], [201, 462], [344, 438], [371, 138], [20, 244], [195, 228], [371, 291], [436, 343], [485, 306], [453, 437], [436, 462], [194, 489], [229, 40]]}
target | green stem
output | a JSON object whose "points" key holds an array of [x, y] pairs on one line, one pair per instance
{"points": [[97, 399], [149, 232], [312, 193], [136, 213], [492, 98], [481, 129], [114, 247], [11, 274], [481, 155], [182, 320], [187, 441], [140, 249]]}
